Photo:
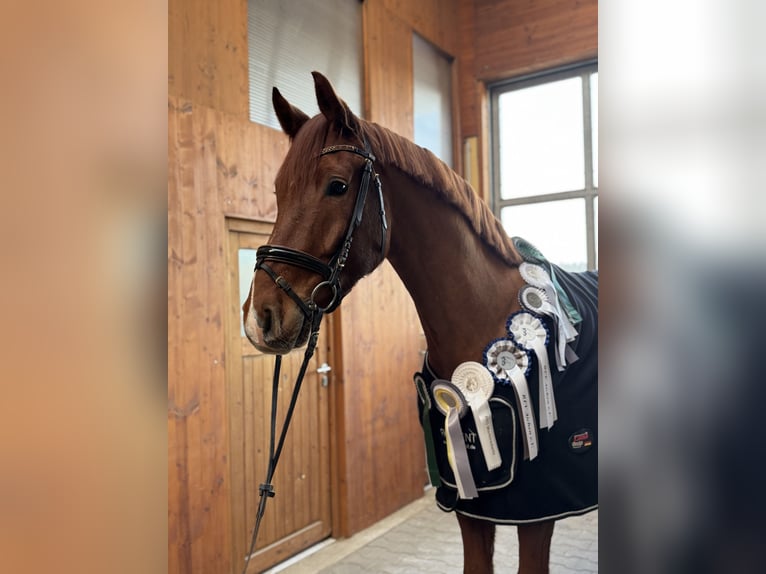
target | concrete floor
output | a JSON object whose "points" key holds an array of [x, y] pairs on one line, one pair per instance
{"points": [[420, 538]]}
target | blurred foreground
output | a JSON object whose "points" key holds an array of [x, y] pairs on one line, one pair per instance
{"points": [[683, 278]]}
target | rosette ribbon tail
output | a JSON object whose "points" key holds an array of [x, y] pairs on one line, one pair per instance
{"points": [[433, 467], [486, 430], [565, 355], [524, 400], [570, 332], [425, 420], [458, 456], [571, 355], [548, 414]]}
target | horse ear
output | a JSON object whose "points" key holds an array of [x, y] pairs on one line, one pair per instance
{"points": [[290, 118], [332, 107]]}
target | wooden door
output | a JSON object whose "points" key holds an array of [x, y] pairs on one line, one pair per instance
{"points": [[300, 513]]}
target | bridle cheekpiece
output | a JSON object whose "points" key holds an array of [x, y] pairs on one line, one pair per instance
{"points": [[330, 272]]}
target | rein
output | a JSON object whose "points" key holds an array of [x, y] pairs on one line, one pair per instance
{"points": [[312, 311]]}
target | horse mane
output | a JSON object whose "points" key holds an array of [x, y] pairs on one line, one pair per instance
{"points": [[417, 162], [425, 168]]}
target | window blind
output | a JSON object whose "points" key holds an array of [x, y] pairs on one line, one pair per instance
{"points": [[288, 39]]}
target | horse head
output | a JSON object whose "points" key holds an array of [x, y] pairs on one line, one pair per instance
{"points": [[331, 227]]}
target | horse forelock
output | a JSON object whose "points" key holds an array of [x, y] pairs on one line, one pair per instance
{"points": [[424, 167]]}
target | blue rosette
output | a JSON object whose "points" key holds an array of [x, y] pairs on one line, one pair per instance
{"points": [[501, 355]]}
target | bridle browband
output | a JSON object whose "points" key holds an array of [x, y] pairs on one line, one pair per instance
{"points": [[312, 311], [330, 272]]}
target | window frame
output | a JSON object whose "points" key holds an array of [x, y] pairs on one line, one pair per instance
{"points": [[590, 192]]}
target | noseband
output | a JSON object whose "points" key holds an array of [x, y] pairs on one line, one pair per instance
{"points": [[330, 272]]}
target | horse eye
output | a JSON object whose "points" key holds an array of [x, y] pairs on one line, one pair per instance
{"points": [[336, 188]]}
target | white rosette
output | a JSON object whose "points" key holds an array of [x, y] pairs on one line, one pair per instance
{"points": [[536, 300], [453, 405], [477, 386], [537, 276], [509, 363], [529, 332]]}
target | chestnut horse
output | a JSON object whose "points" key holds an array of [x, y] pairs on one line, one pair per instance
{"points": [[348, 179]]}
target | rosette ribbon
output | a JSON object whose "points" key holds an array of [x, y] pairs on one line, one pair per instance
{"points": [[450, 402], [425, 418], [477, 386], [536, 300], [529, 332], [537, 276], [530, 253], [509, 363]]}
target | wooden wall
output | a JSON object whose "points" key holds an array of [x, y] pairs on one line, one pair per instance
{"points": [[207, 53], [219, 165]]}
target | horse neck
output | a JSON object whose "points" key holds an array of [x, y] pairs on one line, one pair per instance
{"points": [[461, 288]]}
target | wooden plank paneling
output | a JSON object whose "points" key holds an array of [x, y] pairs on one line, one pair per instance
{"points": [[198, 489], [207, 53], [388, 69], [384, 444], [467, 81], [248, 156], [513, 38]]}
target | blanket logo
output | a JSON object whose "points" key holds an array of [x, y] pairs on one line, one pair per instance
{"points": [[581, 441]]}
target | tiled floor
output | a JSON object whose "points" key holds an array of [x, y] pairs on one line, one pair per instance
{"points": [[422, 538]]}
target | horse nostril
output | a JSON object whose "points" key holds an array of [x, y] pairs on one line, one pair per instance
{"points": [[264, 319]]}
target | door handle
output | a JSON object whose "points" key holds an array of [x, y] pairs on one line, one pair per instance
{"points": [[323, 369]]}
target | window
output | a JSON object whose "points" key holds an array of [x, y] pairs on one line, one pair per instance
{"points": [[432, 97], [545, 163], [287, 40], [246, 264]]}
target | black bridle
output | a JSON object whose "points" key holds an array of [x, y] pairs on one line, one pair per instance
{"points": [[330, 272], [312, 311]]}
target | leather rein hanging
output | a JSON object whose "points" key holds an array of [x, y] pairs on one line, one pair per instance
{"points": [[312, 311]]}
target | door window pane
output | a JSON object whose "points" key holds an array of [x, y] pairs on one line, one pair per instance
{"points": [[541, 139], [557, 228], [246, 265]]}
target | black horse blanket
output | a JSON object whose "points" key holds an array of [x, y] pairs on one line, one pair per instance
{"points": [[563, 479]]}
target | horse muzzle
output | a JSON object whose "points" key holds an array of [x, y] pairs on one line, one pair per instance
{"points": [[273, 326]]}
